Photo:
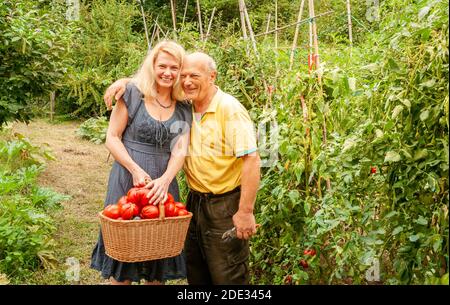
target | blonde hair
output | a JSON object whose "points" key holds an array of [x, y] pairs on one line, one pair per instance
{"points": [[145, 78]]}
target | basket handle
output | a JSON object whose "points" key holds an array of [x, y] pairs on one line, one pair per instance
{"points": [[162, 211]]}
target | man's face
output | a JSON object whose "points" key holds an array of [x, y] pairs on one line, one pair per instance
{"points": [[196, 79]]}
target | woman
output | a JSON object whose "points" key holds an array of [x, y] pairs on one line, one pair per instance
{"points": [[147, 136]]}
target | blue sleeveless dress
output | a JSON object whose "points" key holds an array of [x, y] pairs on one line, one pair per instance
{"points": [[149, 142]]}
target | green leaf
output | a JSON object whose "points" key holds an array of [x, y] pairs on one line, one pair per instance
{"points": [[424, 115], [423, 153], [396, 111], [421, 221], [392, 156], [397, 230], [423, 12], [307, 207], [414, 237]]}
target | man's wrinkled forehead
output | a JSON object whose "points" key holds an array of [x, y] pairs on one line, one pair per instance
{"points": [[196, 62]]}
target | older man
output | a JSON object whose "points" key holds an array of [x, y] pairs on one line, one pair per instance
{"points": [[223, 174]]}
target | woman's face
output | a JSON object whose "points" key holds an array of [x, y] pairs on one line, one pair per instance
{"points": [[166, 69]]}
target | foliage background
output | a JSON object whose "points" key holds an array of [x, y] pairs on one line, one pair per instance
{"points": [[384, 103]]}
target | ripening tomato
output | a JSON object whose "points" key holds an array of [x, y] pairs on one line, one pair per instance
{"points": [[373, 170], [169, 198], [149, 211], [132, 195], [142, 195], [311, 252], [288, 280], [169, 209], [121, 202], [112, 211], [304, 264], [182, 212], [129, 210], [180, 205]]}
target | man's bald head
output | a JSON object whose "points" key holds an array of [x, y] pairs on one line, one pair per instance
{"points": [[204, 59]]}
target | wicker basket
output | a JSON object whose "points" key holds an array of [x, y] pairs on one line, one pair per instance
{"points": [[145, 239]]}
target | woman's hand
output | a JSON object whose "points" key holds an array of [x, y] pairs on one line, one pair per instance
{"points": [[140, 177], [158, 190]]}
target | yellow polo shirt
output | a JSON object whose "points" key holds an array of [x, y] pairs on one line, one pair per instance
{"points": [[219, 138]]}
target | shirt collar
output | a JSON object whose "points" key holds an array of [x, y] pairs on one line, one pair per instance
{"points": [[215, 101]]}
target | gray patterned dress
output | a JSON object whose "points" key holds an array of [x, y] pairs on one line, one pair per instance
{"points": [[149, 142]]}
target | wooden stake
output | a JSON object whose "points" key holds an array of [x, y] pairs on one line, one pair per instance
{"points": [[349, 16], [315, 40], [52, 104], [242, 15], [267, 26], [276, 42], [145, 25], [319, 78], [185, 10], [297, 27], [210, 23], [250, 30], [199, 13], [174, 16], [295, 23]]}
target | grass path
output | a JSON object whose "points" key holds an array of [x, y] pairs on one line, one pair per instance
{"points": [[80, 170]]}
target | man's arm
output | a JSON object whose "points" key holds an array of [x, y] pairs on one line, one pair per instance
{"points": [[116, 90], [244, 220]]}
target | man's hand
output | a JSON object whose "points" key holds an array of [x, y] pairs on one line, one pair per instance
{"points": [[245, 225], [116, 90]]}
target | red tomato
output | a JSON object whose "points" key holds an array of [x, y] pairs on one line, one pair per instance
{"points": [[180, 205], [169, 209], [304, 264], [149, 211], [169, 198], [112, 211], [288, 279], [373, 170], [142, 195], [121, 202], [311, 252], [182, 212], [132, 195], [129, 210]]}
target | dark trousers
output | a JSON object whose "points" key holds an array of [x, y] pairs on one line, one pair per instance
{"points": [[209, 259]]}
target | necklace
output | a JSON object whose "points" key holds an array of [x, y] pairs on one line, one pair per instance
{"points": [[166, 107]]}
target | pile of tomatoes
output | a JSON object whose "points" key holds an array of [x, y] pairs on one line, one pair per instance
{"points": [[135, 205]]}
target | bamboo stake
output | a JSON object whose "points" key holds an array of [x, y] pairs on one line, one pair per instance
{"points": [[350, 34], [153, 33], [145, 25], [199, 13], [242, 15], [319, 78], [315, 40], [210, 24], [174, 16], [277, 71], [295, 23], [297, 27], [307, 144], [267, 26], [52, 104], [250, 30], [185, 10], [310, 47]]}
